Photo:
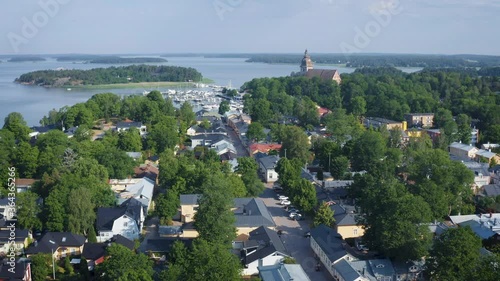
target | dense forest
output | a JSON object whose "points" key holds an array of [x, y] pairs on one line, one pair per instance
{"points": [[378, 60], [26, 59], [109, 59], [111, 75], [383, 92]]}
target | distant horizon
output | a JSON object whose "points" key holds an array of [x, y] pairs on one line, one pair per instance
{"points": [[242, 53]]}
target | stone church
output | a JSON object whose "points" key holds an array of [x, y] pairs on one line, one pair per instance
{"points": [[307, 70]]}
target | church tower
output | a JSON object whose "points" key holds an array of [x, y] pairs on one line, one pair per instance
{"points": [[306, 64]]}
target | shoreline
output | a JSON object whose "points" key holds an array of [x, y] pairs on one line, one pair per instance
{"points": [[128, 85]]}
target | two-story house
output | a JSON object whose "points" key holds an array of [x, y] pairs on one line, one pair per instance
{"points": [[59, 244], [267, 167], [126, 221]]}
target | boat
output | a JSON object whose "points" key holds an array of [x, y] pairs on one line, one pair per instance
{"points": [[68, 89]]}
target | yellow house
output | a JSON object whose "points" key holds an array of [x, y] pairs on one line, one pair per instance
{"points": [[250, 214], [345, 221], [59, 244]]}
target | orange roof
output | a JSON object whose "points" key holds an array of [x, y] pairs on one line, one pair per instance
{"points": [[264, 147], [322, 111], [25, 182]]}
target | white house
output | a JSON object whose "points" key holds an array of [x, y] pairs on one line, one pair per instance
{"points": [[124, 126], [126, 221], [267, 166]]}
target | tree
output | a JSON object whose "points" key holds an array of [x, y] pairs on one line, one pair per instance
{"points": [[216, 202], [369, 151], [324, 216], [487, 269], [163, 135], [358, 106], [186, 113], [256, 131], [40, 266], [454, 255], [28, 210], [123, 264], [118, 164], [130, 140], [54, 209], [224, 107], [26, 159], [68, 268], [464, 129], [295, 144], [248, 169], [92, 235], [15, 123], [81, 215], [303, 195], [167, 204], [84, 268]]}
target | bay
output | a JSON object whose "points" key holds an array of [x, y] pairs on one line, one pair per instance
{"points": [[34, 102]]}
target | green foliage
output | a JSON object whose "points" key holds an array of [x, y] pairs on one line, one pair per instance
{"points": [[130, 140], [163, 135], [454, 255], [167, 204], [256, 131], [111, 75], [26, 159], [84, 268], [295, 144], [324, 215], [28, 211], [81, 216], [118, 164], [289, 260], [369, 151], [68, 268], [248, 169], [214, 219], [15, 123], [342, 126], [224, 107], [92, 235], [123, 264], [186, 113], [41, 265], [208, 261], [306, 111]]}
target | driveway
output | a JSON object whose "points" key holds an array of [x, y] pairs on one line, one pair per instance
{"points": [[293, 236], [150, 232]]}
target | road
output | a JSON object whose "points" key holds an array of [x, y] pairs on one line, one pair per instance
{"points": [[241, 151], [293, 236], [150, 232]]}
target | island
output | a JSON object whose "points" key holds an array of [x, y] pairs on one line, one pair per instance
{"points": [[109, 59], [26, 59], [126, 76]]}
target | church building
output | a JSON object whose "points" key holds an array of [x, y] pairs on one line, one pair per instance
{"points": [[307, 70]]}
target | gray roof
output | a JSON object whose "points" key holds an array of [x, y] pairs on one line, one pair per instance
{"points": [[252, 212], [261, 243], [53, 240], [329, 241], [212, 137], [128, 125], [345, 270], [381, 268], [492, 190], [189, 199], [106, 216], [344, 214], [337, 184], [283, 272], [480, 230], [269, 162]]}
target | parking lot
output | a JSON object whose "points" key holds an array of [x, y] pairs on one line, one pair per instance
{"points": [[293, 236]]}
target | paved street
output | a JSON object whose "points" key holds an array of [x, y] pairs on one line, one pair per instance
{"points": [[293, 236], [150, 232], [241, 151]]}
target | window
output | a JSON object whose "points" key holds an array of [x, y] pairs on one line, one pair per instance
{"points": [[125, 224], [355, 231]]}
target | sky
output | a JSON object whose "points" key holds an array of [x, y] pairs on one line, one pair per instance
{"points": [[249, 26]]}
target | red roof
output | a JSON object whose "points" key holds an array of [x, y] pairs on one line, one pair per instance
{"points": [[322, 111], [264, 147]]}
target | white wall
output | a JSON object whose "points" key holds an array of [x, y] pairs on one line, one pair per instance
{"points": [[269, 260]]}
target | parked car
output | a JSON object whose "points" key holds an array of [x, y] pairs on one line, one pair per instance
{"points": [[298, 217], [285, 202], [282, 197], [292, 210], [360, 246], [293, 215], [289, 207], [307, 234]]}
